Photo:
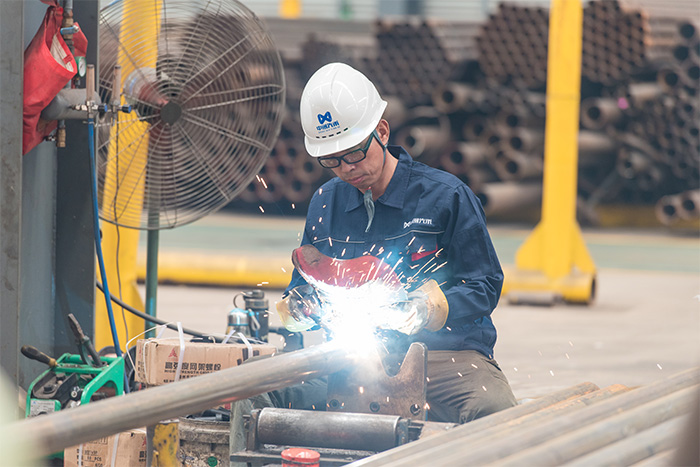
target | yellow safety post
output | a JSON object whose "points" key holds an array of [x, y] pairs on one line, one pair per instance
{"points": [[163, 441], [554, 262], [290, 9], [120, 245]]}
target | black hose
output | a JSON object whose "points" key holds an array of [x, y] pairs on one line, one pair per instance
{"points": [[155, 320]]}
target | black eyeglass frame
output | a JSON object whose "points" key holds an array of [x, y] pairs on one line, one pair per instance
{"points": [[337, 159]]}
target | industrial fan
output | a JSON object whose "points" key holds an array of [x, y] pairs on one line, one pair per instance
{"points": [[205, 85], [197, 95]]}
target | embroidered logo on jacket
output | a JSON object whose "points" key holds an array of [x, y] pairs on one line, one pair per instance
{"points": [[418, 221]]}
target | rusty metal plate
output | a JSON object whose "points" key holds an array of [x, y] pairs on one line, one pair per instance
{"points": [[367, 388]]}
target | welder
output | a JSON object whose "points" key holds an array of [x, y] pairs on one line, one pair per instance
{"points": [[425, 223]]}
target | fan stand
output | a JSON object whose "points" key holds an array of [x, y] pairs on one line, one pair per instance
{"points": [[151, 278], [152, 244]]}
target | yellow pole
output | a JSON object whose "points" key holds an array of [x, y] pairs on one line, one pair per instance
{"points": [[554, 261], [124, 183], [290, 9]]}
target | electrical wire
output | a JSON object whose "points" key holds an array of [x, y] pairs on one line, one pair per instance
{"points": [[96, 231], [98, 242], [155, 320]]}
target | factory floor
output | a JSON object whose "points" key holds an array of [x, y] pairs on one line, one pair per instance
{"points": [[643, 326]]}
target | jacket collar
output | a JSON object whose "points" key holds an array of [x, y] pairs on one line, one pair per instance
{"points": [[395, 192]]}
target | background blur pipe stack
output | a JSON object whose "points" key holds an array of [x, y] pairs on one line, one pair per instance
{"points": [[483, 84]]}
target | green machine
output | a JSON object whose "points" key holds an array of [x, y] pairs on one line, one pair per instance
{"points": [[70, 382], [73, 380]]}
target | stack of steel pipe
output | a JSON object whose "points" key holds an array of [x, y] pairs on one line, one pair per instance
{"points": [[580, 426], [671, 209], [512, 44], [415, 57], [457, 89]]}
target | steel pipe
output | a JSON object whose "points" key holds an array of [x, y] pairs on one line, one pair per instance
{"points": [[559, 402], [516, 165], [54, 432], [600, 113], [526, 140], [459, 158], [689, 204], [630, 163], [593, 436], [463, 445], [296, 191], [307, 169], [452, 96], [510, 443], [636, 448], [338, 430], [422, 142], [592, 142], [499, 198]]}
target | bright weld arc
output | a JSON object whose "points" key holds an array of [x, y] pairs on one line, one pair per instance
{"points": [[353, 314]]}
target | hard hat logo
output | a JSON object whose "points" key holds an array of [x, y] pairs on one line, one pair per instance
{"points": [[324, 127], [325, 117], [339, 108]]}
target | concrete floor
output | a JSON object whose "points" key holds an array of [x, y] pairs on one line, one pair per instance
{"points": [[644, 325]]}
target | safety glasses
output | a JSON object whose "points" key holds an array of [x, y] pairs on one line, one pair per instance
{"points": [[352, 157]]}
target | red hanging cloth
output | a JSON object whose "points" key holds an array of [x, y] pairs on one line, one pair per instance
{"points": [[48, 66]]}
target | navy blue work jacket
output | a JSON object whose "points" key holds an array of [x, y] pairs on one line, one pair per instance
{"points": [[433, 222]]}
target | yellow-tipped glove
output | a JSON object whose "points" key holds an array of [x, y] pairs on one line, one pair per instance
{"points": [[300, 310], [426, 308]]}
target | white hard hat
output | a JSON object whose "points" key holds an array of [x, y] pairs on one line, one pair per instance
{"points": [[339, 108]]}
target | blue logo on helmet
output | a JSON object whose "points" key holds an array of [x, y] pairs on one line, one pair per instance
{"points": [[325, 117]]}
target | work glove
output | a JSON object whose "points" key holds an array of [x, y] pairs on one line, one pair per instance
{"points": [[301, 309], [425, 308]]}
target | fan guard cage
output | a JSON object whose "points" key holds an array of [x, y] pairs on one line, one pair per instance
{"points": [[207, 91]]}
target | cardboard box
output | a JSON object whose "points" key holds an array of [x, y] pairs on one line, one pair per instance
{"points": [[157, 359], [130, 451]]}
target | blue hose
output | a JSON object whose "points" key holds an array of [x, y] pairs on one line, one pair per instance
{"points": [[98, 243]]}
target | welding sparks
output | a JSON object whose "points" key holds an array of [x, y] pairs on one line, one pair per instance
{"points": [[362, 390], [659, 365], [261, 209], [293, 206], [262, 180]]}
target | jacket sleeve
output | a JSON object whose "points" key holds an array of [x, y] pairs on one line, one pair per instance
{"points": [[297, 280], [475, 275]]}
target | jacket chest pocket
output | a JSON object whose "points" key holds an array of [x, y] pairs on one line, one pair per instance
{"points": [[419, 254]]}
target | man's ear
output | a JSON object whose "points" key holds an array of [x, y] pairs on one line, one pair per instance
{"points": [[383, 131]]}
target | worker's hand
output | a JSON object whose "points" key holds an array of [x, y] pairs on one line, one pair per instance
{"points": [[425, 308], [300, 310]]}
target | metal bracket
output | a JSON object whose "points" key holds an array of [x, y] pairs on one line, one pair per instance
{"points": [[367, 388]]}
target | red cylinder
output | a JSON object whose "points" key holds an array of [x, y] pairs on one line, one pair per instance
{"points": [[300, 457]]}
